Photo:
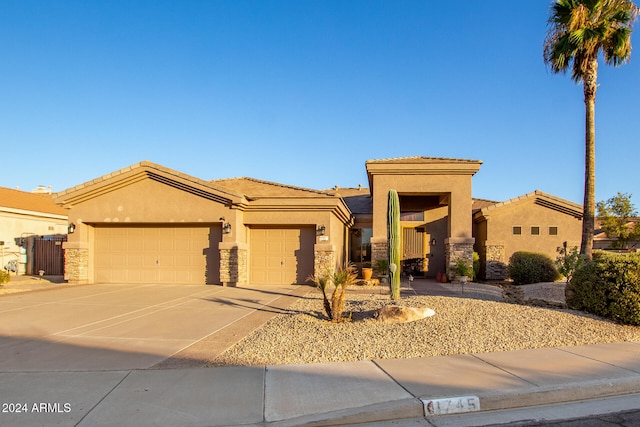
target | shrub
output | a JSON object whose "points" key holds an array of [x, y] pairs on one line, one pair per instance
{"points": [[529, 267], [4, 277], [569, 260], [609, 286], [476, 265]]}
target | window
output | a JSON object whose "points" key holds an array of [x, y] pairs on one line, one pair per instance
{"points": [[411, 216], [553, 231], [517, 230], [360, 244], [535, 230]]}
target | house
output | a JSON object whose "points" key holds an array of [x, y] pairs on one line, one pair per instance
{"points": [[602, 241], [25, 219], [150, 224]]}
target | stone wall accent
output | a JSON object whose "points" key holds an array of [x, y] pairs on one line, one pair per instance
{"points": [[379, 249], [495, 265], [324, 258], [456, 249], [76, 265], [233, 264]]}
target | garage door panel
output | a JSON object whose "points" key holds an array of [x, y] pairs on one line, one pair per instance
{"points": [[164, 254], [281, 255]]}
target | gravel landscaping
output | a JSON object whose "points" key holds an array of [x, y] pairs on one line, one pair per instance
{"points": [[461, 326]]}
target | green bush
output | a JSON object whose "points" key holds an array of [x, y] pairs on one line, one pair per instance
{"points": [[476, 265], [529, 267], [609, 286], [4, 277]]}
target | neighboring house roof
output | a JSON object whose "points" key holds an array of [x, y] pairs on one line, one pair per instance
{"points": [[255, 188], [599, 233], [33, 202], [539, 198]]}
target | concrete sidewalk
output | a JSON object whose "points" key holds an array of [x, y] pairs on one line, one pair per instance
{"points": [[320, 394]]}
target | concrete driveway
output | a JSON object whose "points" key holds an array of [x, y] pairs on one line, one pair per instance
{"points": [[118, 327]]}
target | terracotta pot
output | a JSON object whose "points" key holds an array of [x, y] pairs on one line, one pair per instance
{"points": [[367, 273]]}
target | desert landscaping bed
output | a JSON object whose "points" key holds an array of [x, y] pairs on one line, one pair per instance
{"points": [[460, 326]]}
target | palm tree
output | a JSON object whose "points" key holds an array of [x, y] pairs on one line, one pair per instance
{"points": [[579, 30]]}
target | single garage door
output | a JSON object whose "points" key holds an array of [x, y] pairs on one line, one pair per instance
{"points": [[159, 254], [281, 255]]}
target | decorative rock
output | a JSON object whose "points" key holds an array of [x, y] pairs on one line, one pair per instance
{"points": [[397, 314]]}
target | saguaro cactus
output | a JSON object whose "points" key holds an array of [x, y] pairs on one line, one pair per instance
{"points": [[393, 238]]}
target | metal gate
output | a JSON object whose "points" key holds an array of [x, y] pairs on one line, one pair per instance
{"points": [[48, 255]]}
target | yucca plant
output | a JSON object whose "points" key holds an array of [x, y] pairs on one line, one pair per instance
{"points": [[342, 278], [322, 280]]}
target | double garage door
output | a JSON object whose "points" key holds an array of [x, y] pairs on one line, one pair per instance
{"points": [[169, 254]]}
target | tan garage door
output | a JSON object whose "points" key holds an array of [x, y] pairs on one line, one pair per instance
{"points": [[168, 254], [281, 255]]}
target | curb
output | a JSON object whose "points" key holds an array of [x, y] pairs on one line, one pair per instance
{"points": [[565, 393], [389, 411]]}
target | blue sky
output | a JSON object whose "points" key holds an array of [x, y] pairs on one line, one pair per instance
{"points": [[303, 92]]}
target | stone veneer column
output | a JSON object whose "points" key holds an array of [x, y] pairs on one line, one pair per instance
{"points": [[324, 258], [76, 263], [233, 263], [379, 249], [494, 262], [457, 248]]}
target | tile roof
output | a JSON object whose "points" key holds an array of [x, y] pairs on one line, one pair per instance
{"points": [[35, 202], [256, 188], [543, 199], [422, 159]]}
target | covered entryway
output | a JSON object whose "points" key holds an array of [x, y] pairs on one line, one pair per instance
{"points": [[281, 255], [435, 193], [157, 254]]}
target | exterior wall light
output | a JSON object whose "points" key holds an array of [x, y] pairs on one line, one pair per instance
{"points": [[433, 242], [226, 227], [72, 228], [321, 230]]}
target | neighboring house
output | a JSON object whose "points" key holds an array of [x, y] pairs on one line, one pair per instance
{"points": [[534, 222], [24, 218], [602, 241], [150, 224]]}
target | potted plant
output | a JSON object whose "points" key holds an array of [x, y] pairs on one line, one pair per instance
{"points": [[382, 268], [463, 271], [367, 271]]}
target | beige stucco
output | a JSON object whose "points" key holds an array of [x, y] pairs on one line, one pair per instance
{"points": [[152, 195], [494, 225], [447, 179], [149, 194]]}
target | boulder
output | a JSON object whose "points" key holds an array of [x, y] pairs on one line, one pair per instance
{"points": [[398, 314]]}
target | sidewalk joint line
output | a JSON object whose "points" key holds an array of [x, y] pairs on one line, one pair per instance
{"points": [[103, 398]]}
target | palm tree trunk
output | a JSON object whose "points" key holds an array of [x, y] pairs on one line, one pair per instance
{"points": [[589, 207]]}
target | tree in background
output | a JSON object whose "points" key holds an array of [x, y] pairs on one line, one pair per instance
{"points": [[579, 31], [615, 217]]}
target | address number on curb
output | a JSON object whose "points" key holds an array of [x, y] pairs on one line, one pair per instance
{"points": [[451, 405]]}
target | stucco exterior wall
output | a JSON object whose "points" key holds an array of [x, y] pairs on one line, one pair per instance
{"points": [[147, 201], [456, 187], [527, 214]]}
